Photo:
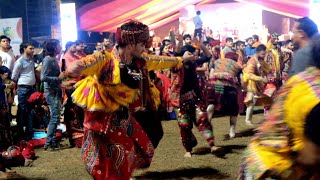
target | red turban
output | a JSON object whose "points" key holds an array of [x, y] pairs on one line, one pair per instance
{"points": [[232, 55], [37, 97], [132, 32], [214, 43]]}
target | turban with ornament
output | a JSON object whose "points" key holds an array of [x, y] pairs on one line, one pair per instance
{"points": [[132, 32]]}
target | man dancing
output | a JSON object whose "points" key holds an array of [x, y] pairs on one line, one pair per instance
{"points": [[115, 86], [222, 89], [185, 94], [254, 81], [286, 145]]}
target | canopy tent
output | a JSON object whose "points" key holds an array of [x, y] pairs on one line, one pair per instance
{"points": [[107, 15]]}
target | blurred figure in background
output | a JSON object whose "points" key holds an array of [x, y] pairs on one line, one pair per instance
{"points": [[80, 46], [99, 46], [198, 25], [304, 29], [287, 145], [52, 77], [24, 75], [254, 81], [249, 50], [287, 52], [228, 47]]}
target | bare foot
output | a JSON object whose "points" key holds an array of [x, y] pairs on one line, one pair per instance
{"points": [[215, 148], [188, 155]]}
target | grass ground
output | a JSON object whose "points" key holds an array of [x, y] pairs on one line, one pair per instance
{"points": [[168, 162]]}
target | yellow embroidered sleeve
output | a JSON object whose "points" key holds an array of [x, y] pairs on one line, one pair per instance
{"points": [[94, 63], [301, 92], [269, 45], [161, 62], [250, 72], [222, 54]]}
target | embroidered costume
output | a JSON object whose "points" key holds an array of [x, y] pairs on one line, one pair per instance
{"points": [[253, 74], [224, 83], [274, 60], [114, 142], [272, 150], [185, 94]]}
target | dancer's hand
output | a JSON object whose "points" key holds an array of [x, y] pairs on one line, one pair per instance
{"points": [[179, 37], [65, 83], [12, 84], [61, 76], [45, 108], [187, 56], [75, 68], [197, 41], [265, 80], [140, 108]]}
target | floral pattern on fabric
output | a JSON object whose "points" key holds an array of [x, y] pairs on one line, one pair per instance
{"points": [[282, 132], [116, 154], [253, 75]]}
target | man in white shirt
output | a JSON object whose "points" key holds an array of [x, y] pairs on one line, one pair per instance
{"points": [[198, 25], [99, 47], [24, 75], [7, 58]]}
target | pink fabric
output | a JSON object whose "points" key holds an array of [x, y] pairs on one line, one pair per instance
{"points": [[38, 143], [93, 16], [69, 59]]}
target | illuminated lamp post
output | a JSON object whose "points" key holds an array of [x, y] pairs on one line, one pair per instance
{"points": [[68, 23], [314, 11]]}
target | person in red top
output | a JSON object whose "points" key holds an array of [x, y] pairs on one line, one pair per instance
{"points": [[69, 56], [80, 49], [72, 113], [215, 45]]}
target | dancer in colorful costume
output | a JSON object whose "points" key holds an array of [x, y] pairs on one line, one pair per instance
{"points": [[254, 82], [222, 89], [287, 52], [274, 60], [287, 144], [116, 85], [242, 62], [185, 94]]}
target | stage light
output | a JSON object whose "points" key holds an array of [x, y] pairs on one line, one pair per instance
{"points": [[151, 33], [290, 34], [314, 11], [68, 23], [231, 19]]}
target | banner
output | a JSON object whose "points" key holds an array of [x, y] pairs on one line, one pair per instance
{"points": [[12, 27]]}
